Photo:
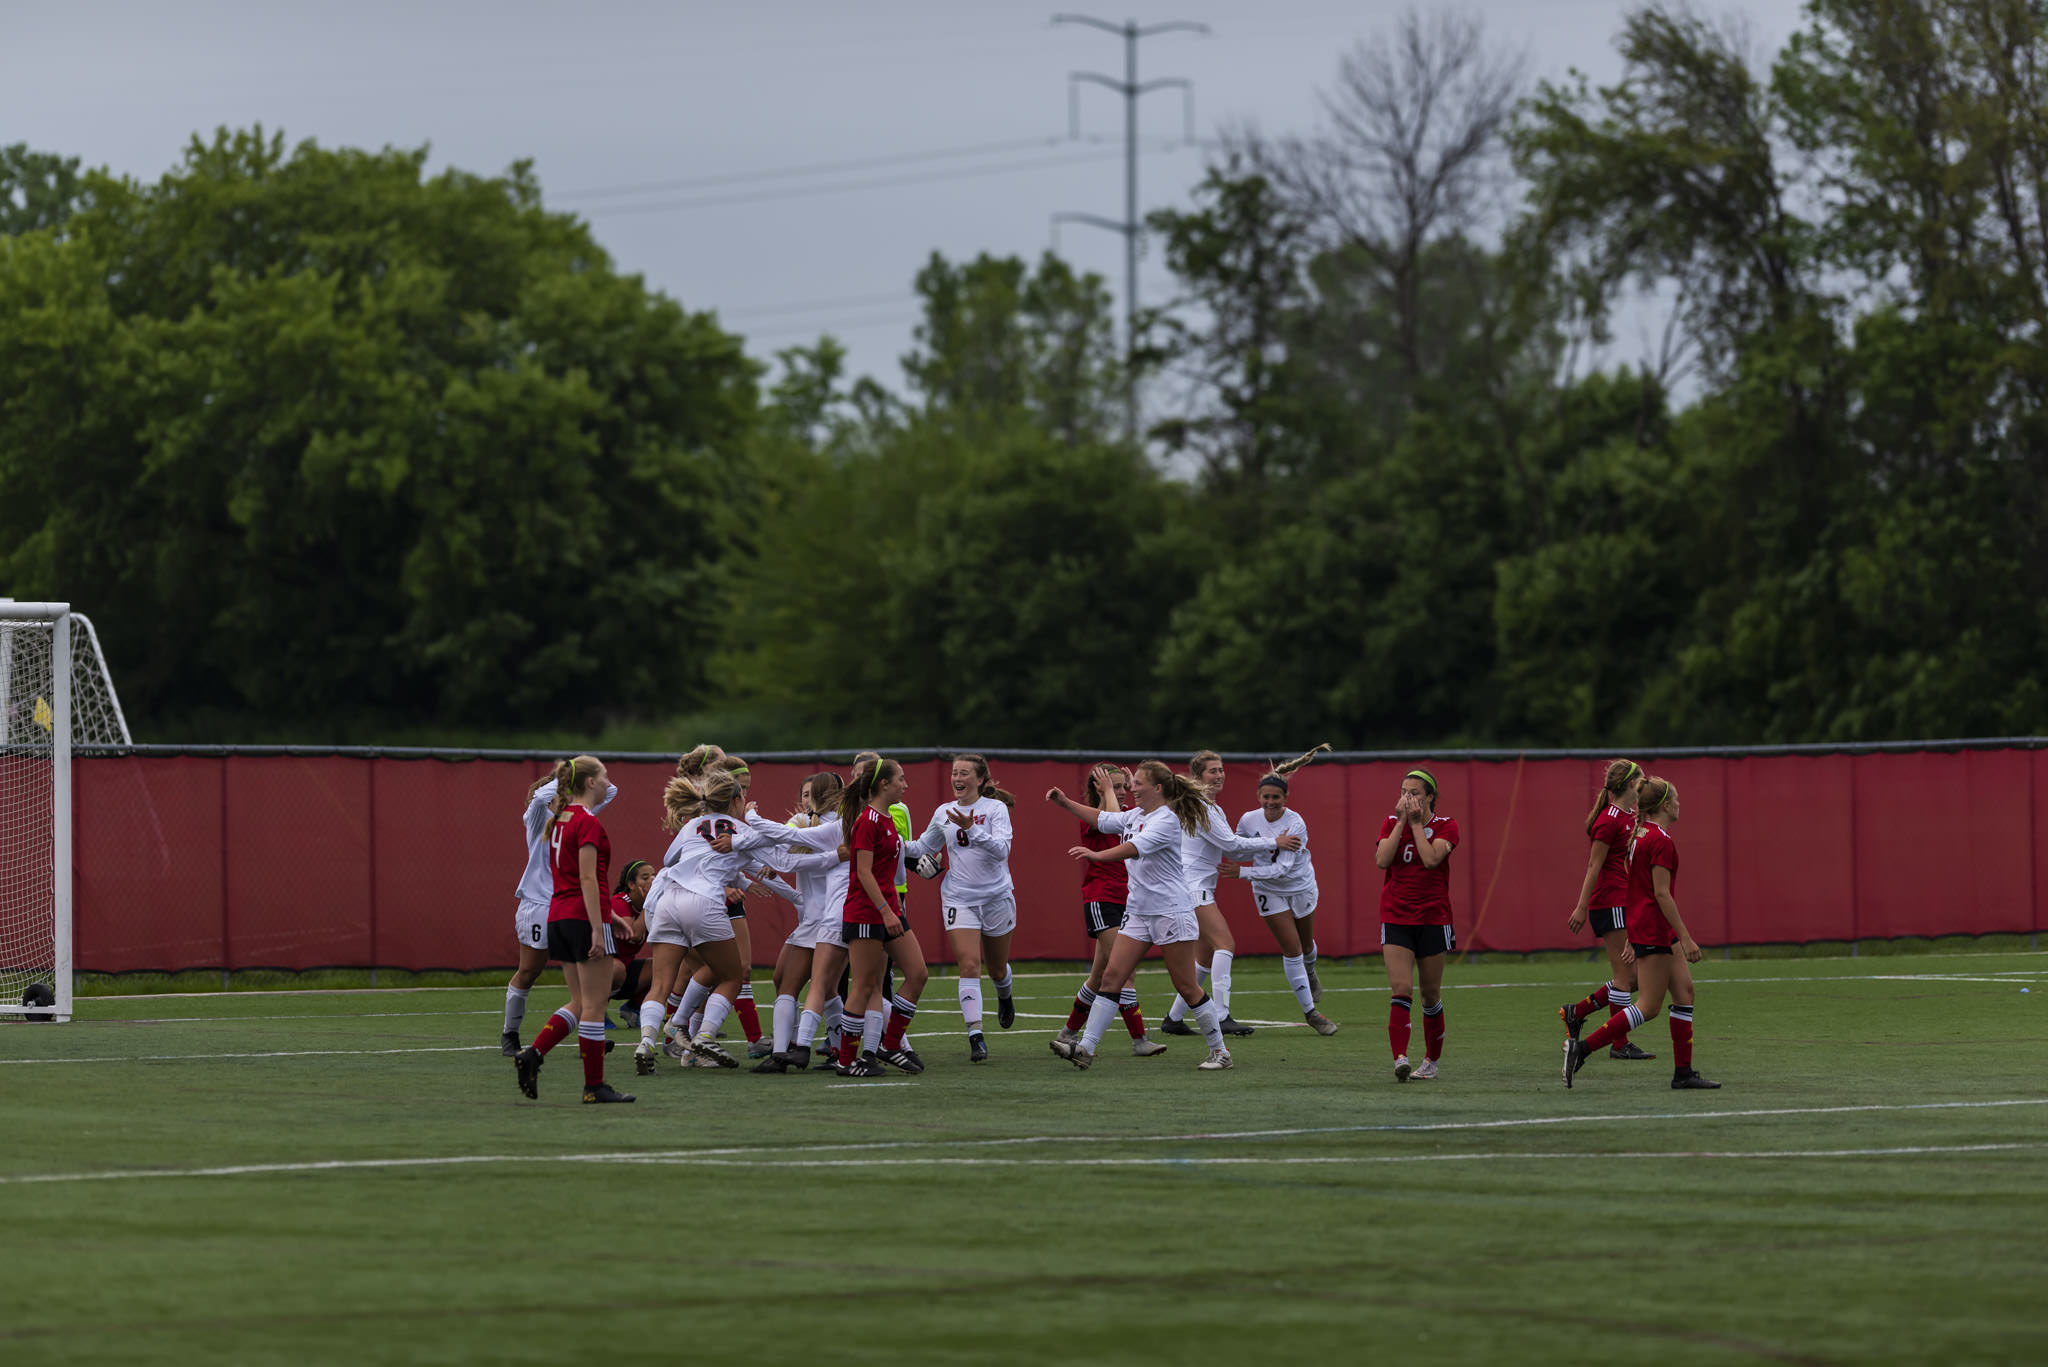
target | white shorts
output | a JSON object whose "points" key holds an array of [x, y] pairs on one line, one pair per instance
{"points": [[531, 925], [990, 918], [679, 916], [811, 934], [1161, 927], [1274, 903], [1202, 894]]}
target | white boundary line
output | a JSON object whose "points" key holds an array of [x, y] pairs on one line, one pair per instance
{"points": [[758, 1155], [275, 1053]]}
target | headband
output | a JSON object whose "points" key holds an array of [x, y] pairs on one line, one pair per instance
{"points": [[1273, 781], [632, 867], [1634, 771], [1427, 778]]}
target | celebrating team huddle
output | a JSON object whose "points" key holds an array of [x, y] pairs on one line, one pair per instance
{"points": [[1153, 845]]}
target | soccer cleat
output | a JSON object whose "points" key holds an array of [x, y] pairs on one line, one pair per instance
{"points": [[527, 1063], [1233, 1026], [797, 1057], [602, 1094], [1065, 1043], [674, 1045], [1218, 1060], [1689, 1080], [867, 1065], [977, 1049], [629, 1018], [707, 1047], [1170, 1026], [760, 1048], [1315, 986], [1081, 1058], [1068, 1034], [1144, 1046], [774, 1063], [1628, 1049], [1402, 1068], [902, 1058], [1320, 1023], [643, 1061], [1006, 1012], [1575, 1056], [1425, 1071], [1573, 1021], [508, 1044]]}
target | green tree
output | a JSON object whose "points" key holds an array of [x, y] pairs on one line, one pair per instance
{"points": [[37, 190]]}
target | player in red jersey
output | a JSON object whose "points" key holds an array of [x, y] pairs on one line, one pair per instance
{"points": [[1415, 916], [1603, 899], [875, 931], [629, 936], [579, 937], [1655, 931], [1104, 889]]}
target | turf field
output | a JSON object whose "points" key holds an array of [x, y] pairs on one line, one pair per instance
{"points": [[351, 1177]]}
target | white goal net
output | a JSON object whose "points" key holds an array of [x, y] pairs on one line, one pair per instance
{"points": [[55, 696]]}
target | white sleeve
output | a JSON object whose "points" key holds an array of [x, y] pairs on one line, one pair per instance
{"points": [[765, 878], [1113, 823], [812, 861], [1219, 834], [933, 841], [995, 836], [1282, 865], [1157, 836], [611, 790], [537, 810]]}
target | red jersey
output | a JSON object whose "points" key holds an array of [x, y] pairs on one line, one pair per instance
{"points": [[1617, 830], [1653, 850], [624, 949], [1103, 882], [1414, 895], [877, 833], [566, 839]]}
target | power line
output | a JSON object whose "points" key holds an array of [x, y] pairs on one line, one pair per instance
{"points": [[972, 149], [848, 325]]}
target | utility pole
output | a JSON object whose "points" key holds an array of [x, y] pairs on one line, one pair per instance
{"points": [[1130, 88]]}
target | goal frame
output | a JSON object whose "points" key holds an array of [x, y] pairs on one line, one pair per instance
{"points": [[59, 615]]}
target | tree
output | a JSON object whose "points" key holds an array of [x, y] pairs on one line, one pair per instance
{"points": [[37, 190]]}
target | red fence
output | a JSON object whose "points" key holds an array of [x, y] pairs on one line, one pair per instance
{"points": [[285, 861]]}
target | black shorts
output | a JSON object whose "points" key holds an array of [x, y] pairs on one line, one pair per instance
{"points": [[1645, 951], [569, 941], [862, 930], [1101, 916], [1421, 941], [1606, 920]]}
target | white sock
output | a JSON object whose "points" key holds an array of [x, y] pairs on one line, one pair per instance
{"points": [[651, 1014], [1219, 973], [806, 1029], [715, 1012], [871, 1029], [1209, 1015], [1099, 1017], [785, 1021], [515, 1008], [970, 1004], [693, 1000], [1086, 996], [1178, 1011], [835, 1014], [1003, 983], [1297, 978]]}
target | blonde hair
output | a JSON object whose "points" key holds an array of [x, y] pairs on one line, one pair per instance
{"points": [[872, 775], [686, 798], [1199, 761], [570, 775], [1657, 796], [988, 787], [820, 795], [1619, 775], [1185, 798], [1283, 770], [696, 762]]}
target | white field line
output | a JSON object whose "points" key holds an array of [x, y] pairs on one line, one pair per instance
{"points": [[760, 1154], [274, 1053]]}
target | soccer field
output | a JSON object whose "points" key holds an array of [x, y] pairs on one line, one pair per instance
{"points": [[351, 1177]]}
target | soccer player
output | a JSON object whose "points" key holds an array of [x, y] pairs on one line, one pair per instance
{"points": [[1161, 906], [1654, 928], [630, 972], [1415, 916], [530, 923], [978, 895], [1104, 889], [579, 936], [1603, 899], [1284, 887], [814, 950], [1207, 843], [873, 926]]}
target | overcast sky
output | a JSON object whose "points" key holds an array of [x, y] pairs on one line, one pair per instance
{"points": [[941, 101]]}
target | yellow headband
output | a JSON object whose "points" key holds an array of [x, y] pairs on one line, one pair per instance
{"points": [[1427, 778]]}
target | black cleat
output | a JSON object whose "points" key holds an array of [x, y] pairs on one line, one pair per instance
{"points": [[602, 1095], [527, 1063], [867, 1065], [797, 1057], [1575, 1056], [905, 1059], [508, 1044], [977, 1049], [774, 1063], [1573, 1021], [1006, 1012], [1233, 1026], [1170, 1026], [1689, 1080], [1627, 1049], [643, 1062]]}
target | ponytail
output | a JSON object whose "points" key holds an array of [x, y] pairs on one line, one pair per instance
{"points": [[1185, 798], [570, 775], [686, 798], [1619, 775], [866, 781], [1283, 770], [1657, 795]]}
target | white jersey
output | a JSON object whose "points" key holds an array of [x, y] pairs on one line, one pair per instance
{"points": [[1157, 886], [537, 884], [977, 856], [692, 863], [1201, 851], [821, 875], [1285, 873]]}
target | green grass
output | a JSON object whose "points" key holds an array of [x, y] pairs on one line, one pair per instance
{"points": [[1297, 1209]]}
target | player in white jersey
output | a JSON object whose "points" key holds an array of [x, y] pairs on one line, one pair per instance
{"points": [[978, 899], [815, 950], [1284, 887], [1160, 910], [717, 844], [530, 923]]}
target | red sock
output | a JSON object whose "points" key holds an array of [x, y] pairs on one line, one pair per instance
{"points": [[1134, 1020], [892, 1033], [849, 1041], [750, 1019], [1613, 1010], [1613, 1032], [1594, 1000], [1681, 1037], [1433, 1031], [593, 1061], [551, 1034], [1077, 1017], [1397, 1026]]}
